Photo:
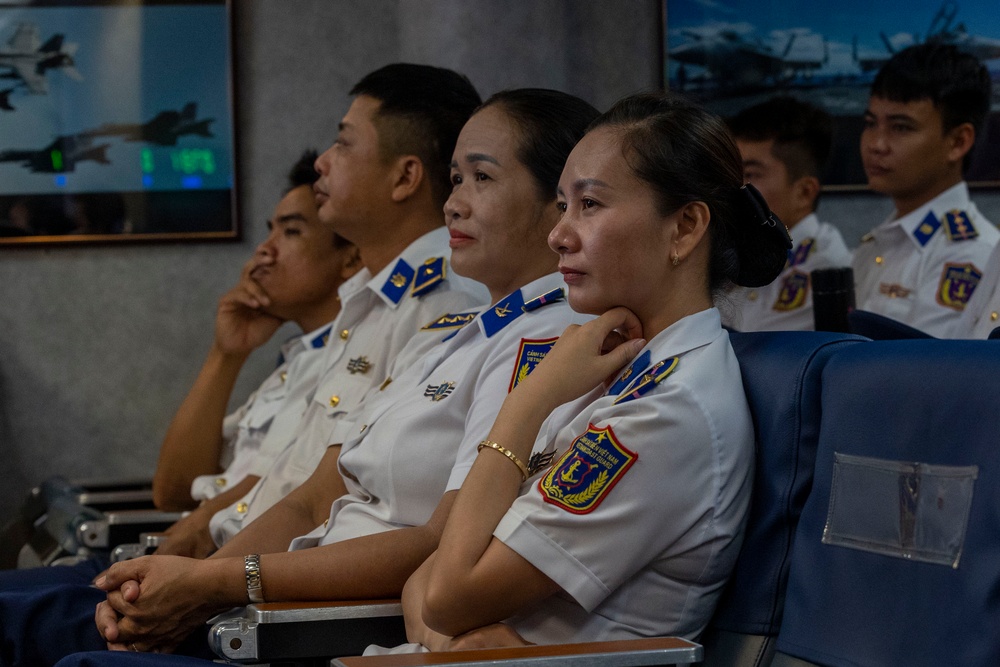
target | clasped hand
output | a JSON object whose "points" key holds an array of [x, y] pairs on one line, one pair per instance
{"points": [[153, 603]]}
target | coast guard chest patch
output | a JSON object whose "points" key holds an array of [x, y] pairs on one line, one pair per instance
{"points": [[957, 284], [529, 355], [587, 472], [794, 290]]}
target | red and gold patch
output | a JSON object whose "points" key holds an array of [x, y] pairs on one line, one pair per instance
{"points": [[587, 472]]}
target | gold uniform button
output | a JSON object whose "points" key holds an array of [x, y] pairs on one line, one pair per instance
{"points": [[878, 260], [220, 482], [242, 508], [284, 376], [334, 401], [326, 522], [752, 296], [344, 334], [993, 316]]}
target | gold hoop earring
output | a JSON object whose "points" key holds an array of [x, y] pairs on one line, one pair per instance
{"points": [[675, 260]]}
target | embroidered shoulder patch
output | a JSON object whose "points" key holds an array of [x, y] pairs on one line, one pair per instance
{"points": [[958, 281], [587, 472], [794, 290], [450, 321], [529, 354]]}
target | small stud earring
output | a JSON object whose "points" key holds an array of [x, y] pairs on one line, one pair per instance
{"points": [[675, 260]]}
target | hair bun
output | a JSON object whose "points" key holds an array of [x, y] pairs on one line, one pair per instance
{"points": [[762, 241]]}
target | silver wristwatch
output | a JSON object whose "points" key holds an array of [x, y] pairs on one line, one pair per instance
{"points": [[252, 566]]}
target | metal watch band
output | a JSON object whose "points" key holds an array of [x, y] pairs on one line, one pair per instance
{"points": [[252, 567]]}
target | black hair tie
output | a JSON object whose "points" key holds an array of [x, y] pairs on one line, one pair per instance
{"points": [[763, 216]]}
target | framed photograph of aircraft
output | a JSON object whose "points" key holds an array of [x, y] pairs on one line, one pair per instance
{"points": [[731, 54], [117, 122]]}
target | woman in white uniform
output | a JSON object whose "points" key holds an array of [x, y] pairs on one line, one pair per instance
{"points": [[385, 491], [634, 528]]}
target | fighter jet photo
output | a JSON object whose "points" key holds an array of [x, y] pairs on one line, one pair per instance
{"points": [[740, 59], [940, 32], [164, 129], [60, 156], [27, 60]]}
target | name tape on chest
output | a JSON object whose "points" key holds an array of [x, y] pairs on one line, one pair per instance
{"points": [[584, 476]]}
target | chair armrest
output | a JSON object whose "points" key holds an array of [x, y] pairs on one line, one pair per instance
{"points": [[304, 631], [625, 653], [147, 544], [114, 528]]}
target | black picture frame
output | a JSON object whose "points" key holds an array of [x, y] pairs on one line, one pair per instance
{"points": [[117, 122], [731, 54]]}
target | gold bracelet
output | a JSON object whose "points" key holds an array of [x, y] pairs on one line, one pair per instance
{"points": [[509, 454]]}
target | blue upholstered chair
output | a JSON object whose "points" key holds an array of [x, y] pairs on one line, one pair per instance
{"points": [[782, 378], [879, 327], [897, 556]]}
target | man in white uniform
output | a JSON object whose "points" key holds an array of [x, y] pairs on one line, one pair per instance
{"points": [[923, 264], [292, 276], [382, 185], [785, 144]]}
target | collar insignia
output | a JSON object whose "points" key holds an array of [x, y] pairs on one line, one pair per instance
{"points": [[399, 280], [641, 362], [430, 275], [439, 392], [926, 229], [503, 313], [649, 379], [959, 227], [558, 294], [801, 253], [320, 339]]}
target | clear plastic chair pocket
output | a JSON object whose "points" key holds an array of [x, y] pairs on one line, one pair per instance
{"points": [[896, 508]]}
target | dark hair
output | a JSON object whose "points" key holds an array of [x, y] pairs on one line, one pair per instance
{"points": [[686, 154], [422, 110], [802, 133], [304, 172], [549, 124], [955, 82]]}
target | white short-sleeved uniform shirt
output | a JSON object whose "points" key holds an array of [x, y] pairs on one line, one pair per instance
{"points": [[982, 315], [378, 317], [641, 517], [923, 268], [276, 405], [418, 438], [786, 303]]}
